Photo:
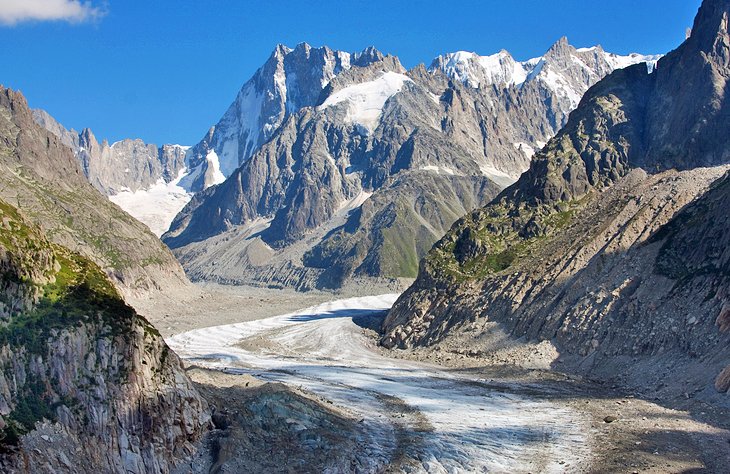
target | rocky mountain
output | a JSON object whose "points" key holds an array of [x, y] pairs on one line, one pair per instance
{"points": [[141, 178], [357, 166], [290, 80], [86, 385], [154, 183], [42, 178], [613, 245]]}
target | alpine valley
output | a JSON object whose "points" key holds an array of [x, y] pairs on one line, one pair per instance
{"points": [[481, 265]]}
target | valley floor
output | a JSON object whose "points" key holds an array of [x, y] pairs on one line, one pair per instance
{"points": [[311, 391]]}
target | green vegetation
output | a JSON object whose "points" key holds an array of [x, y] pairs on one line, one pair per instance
{"points": [[498, 238], [72, 291], [81, 293], [399, 257]]}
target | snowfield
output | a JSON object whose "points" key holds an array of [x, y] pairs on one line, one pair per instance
{"points": [[365, 101], [157, 206], [461, 424]]}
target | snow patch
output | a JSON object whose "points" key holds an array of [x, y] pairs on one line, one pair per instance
{"points": [[213, 174], [619, 62], [525, 148], [157, 206], [561, 86], [365, 101], [439, 169], [354, 203], [500, 177]]}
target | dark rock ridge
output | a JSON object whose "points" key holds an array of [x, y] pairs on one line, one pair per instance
{"points": [[614, 244], [348, 191], [86, 384], [41, 177]]}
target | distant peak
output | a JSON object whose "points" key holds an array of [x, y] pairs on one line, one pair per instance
{"points": [[88, 134], [303, 46], [280, 51], [559, 47], [368, 56]]}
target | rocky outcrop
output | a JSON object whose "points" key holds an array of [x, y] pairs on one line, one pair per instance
{"points": [[83, 376], [613, 245], [41, 177], [405, 152]]}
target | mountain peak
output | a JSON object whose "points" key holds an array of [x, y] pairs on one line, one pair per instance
{"points": [[280, 50], [303, 46], [367, 56], [87, 136], [560, 48], [710, 30]]}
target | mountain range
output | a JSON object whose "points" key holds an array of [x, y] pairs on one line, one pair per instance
{"points": [[330, 165], [577, 202], [359, 166]]}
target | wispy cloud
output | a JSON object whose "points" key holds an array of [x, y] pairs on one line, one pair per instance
{"points": [[72, 11]]}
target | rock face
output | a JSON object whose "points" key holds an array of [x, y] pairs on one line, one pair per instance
{"points": [[127, 165], [289, 80], [86, 384], [41, 177], [614, 244], [359, 177]]}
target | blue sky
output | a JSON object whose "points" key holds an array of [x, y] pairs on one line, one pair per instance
{"points": [[166, 70]]}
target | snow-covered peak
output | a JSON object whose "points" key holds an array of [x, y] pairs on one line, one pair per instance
{"points": [[365, 101], [471, 69], [619, 62], [502, 70], [289, 80]]}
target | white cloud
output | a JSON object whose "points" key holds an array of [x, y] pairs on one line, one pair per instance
{"points": [[74, 11]]}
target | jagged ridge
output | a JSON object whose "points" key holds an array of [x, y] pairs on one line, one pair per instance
{"points": [[424, 151]]}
